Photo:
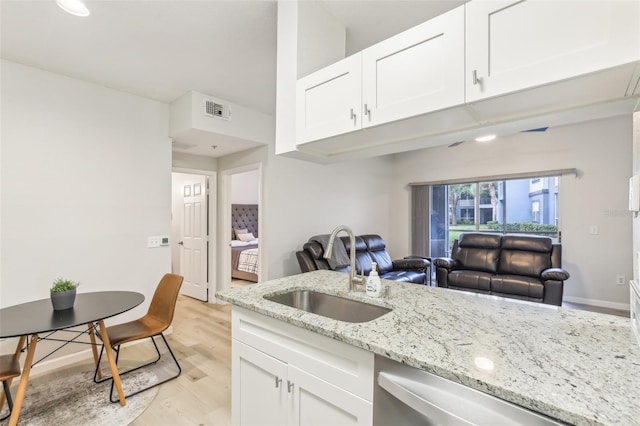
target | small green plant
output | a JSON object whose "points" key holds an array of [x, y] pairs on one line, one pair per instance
{"points": [[63, 284]]}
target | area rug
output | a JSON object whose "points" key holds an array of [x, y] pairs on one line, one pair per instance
{"points": [[76, 400]]}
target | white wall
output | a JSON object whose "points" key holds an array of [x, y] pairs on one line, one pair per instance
{"points": [[244, 187], [86, 177], [600, 150]]}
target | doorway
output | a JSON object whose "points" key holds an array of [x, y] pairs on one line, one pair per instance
{"points": [[191, 250], [241, 227]]}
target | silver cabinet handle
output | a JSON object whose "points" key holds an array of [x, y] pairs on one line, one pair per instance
{"points": [[278, 382], [476, 79], [289, 386], [353, 114], [367, 111]]}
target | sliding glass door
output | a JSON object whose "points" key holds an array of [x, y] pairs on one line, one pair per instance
{"points": [[525, 206]]}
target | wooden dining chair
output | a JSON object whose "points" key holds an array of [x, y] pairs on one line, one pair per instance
{"points": [[9, 369], [152, 325]]}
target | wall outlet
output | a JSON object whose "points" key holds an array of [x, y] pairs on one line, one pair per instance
{"points": [[593, 229], [620, 280]]}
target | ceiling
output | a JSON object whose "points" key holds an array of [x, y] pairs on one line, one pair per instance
{"points": [[162, 49]]}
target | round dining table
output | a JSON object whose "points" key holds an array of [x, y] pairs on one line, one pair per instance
{"points": [[38, 317]]}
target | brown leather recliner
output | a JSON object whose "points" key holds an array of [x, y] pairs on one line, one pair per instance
{"points": [[524, 267]]}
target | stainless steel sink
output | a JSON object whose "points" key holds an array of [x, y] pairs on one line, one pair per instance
{"points": [[329, 306]]}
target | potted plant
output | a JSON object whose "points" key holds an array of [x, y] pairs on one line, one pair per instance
{"points": [[63, 293]]}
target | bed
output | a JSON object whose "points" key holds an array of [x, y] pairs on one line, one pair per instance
{"points": [[244, 249]]}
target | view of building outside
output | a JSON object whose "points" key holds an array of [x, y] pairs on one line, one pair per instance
{"points": [[526, 206]]}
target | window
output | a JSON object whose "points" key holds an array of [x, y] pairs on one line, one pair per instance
{"points": [[526, 206]]}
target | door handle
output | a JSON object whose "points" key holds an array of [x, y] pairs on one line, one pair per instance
{"points": [[181, 243]]}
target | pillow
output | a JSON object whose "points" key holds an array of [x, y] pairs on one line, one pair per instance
{"points": [[246, 237], [237, 232]]}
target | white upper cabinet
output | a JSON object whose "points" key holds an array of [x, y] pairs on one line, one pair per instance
{"points": [[513, 44], [328, 102], [417, 71]]}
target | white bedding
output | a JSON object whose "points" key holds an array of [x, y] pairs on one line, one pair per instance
{"points": [[238, 243]]}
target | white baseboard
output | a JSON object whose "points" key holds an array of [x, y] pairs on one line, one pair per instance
{"points": [[600, 303]]}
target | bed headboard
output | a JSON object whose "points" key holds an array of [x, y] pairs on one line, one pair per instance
{"points": [[244, 216]]}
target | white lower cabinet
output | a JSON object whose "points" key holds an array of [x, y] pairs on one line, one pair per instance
{"points": [[317, 402], [307, 379], [259, 385]]}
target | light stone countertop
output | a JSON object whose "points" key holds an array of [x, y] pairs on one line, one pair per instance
{"points": [[580, 367]]}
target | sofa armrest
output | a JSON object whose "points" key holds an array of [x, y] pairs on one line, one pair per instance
{"points": [[446, 263], [411, 262], [555, 274]]}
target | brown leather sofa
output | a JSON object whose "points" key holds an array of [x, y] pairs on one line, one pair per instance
{"points": [[518, 266], [369, 248]]}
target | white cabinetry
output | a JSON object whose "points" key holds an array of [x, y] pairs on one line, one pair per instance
{"points": [[513, 44], [418, 71], [328, 102], [282, 374], [501, 66], [261, 379]]}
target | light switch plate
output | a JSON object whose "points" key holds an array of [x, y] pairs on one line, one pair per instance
{"points": [[153, 242]]}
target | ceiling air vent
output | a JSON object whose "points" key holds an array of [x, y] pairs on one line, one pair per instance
{"points": [[213, 109]]}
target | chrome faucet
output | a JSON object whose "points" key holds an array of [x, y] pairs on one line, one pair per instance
{"points": [[354, 279]]}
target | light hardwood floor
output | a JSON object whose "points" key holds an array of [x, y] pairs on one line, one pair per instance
{"points": [[201, 395]]}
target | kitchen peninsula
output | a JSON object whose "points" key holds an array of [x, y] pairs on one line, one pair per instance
{"points": [[578, 367]]}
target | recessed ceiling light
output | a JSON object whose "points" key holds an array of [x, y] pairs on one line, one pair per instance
{"points": [[485, 138], [74, 7]]}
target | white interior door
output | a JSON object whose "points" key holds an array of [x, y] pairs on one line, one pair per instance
{"points": [[194, 243]]}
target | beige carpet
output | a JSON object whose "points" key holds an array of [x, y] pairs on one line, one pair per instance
{"points": [[77, 400]]}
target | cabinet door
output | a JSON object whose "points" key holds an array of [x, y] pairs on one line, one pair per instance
{"points": [[417, 71], [328, 102], [514, 44], [316, 402], [259, 395]]}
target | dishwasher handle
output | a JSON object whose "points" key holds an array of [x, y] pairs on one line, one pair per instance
{"points": [[399, 387]]}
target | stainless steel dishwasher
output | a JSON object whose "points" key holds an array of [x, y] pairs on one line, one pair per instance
{"points": [[408, 396]]}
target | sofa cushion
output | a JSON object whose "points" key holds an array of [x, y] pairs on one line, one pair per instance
{"points": [[479, 252], [474, 280], [517, 285], [363, 261], [527, 243], [405, 276], [527, 263], [377, 250]]}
